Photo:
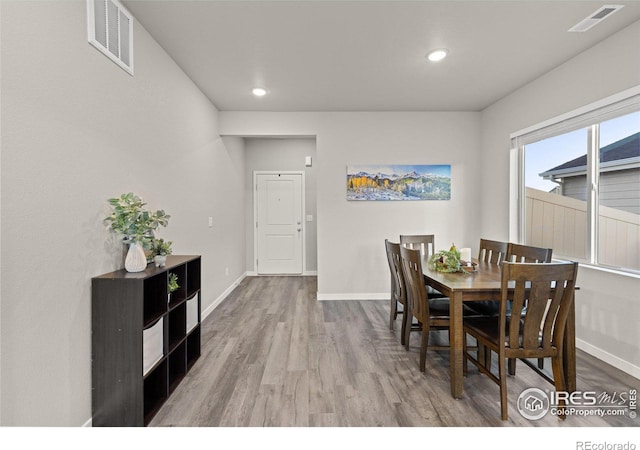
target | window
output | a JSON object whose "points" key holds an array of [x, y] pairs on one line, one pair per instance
{"points": [[556, 207], [580, 186], [619, 192]]}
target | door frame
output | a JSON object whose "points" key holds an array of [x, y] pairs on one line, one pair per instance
{"points": [[302, 218]]}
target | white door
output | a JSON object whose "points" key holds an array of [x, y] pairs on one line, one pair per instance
{"points": [[279, 223]]}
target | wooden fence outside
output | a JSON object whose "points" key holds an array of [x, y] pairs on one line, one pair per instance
{"points": [[560, 223]]}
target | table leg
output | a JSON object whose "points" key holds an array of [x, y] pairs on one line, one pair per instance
{"points": [[456, 336], [569, 349]]}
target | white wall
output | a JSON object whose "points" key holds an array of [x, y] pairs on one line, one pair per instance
{"points": [[282, 154], [607, 304], [76, 130], [351, 255]]}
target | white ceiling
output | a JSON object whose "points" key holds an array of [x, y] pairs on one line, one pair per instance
{"points": [[370, 55]]}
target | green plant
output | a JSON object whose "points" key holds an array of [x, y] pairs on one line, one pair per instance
{"points": [[160, 247], [131, 219], [173, 282], [445, 261]]}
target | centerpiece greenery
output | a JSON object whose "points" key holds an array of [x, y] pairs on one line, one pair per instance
{"points": [[446, 260]]}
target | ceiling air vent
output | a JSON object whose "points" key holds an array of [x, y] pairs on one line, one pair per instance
{"points": [[595, 18], [110, 30]]}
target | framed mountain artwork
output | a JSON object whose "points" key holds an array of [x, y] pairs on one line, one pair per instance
{"points": [[399, 182]]}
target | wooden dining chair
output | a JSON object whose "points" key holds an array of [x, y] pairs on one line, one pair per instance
{"points": [[423, 242], [427, 246], [513, 253], [547, 291], [493, 252], [398, 291], [528, 253], [418, 303]]}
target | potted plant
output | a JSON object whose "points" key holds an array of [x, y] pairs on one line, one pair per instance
{"points": [[172, 284], [160, 250], [136, 224]]}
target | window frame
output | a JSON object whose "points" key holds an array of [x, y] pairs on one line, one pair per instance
{"points": [[590, 117]]}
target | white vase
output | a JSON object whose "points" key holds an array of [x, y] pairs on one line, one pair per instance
{"points": [[136, 260]]}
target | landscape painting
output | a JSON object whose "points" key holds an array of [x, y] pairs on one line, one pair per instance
{"points": [[399, 182]]}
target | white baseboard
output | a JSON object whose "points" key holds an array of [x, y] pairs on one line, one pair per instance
{"points": [[88, 423], [217, 301], [607, 357], [361, 296]]}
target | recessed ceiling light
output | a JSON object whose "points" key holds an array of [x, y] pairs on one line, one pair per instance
{"points": [[259, 92], [438, 55]]}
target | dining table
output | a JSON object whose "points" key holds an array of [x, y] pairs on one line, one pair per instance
{"points": [[481, 284]]}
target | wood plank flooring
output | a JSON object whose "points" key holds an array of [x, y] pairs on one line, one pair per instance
{"points": [[273, 356]]}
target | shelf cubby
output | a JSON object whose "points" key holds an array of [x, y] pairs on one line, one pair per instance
{"points": [[193, 277], [155, 290], [193, 346], [177, 325], [177, 365], [181, 293], [156, 390]]}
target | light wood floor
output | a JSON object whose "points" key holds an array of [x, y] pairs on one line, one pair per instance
{"points": [[273, 356]]}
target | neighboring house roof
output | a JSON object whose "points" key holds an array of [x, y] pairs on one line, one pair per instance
{"points": [[623, 152]]}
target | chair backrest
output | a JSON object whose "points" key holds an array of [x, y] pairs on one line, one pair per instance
{"points": [[528, 254], [398, 290], [547, 291], [493, 252], [423, 242], [416, 290]]}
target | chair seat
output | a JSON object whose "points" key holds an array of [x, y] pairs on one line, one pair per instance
{"points": [[486, 328], [491, 308], [483, 327], [433, 293], [439, 307]]}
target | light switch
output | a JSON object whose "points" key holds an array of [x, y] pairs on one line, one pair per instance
{"points": [[309, 218], [307, 161], [210, 222]]}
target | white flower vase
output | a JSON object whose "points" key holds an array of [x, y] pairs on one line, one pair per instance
{"points": [[136, 260]]}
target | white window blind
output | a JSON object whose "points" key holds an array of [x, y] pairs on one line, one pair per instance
{"points": [[615, 106]]}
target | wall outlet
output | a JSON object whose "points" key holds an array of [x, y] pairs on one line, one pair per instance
{"points": [[226, 271], [210, 222]]}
